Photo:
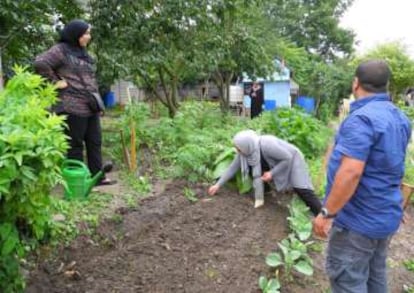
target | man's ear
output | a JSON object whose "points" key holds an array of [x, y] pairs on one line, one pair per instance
{"points": [[355, 85]]}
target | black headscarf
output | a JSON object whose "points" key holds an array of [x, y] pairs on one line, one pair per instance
{"points": [[70, 35]]}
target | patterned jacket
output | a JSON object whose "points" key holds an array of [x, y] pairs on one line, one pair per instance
{"points": [[58, 63]]}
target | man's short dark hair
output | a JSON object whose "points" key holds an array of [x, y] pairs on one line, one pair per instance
{"points": [[373, 76]]}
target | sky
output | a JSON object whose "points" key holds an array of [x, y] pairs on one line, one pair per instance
{"points": [[379, 21]]}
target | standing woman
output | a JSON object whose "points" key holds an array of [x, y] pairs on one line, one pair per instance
{"points": [[257, 100], [69, 66]]}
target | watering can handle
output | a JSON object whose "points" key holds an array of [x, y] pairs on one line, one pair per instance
{"points": [[70, 162]]}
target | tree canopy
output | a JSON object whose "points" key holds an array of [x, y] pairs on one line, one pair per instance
{"points": [[162, 45], [402, 66], [26, 29]]}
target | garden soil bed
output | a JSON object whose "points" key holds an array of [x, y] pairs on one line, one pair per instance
{"points": [[168, 244]]}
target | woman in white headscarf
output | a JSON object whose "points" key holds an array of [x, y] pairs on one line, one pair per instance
{"points": [[286, 167]]}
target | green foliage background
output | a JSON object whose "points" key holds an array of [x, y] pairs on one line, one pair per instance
{"points": [[32, 146], [190, 143]]}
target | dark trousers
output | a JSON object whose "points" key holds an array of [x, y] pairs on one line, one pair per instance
{"points": [[310, 199], [255, 110], [85, 130], [356, 263]]}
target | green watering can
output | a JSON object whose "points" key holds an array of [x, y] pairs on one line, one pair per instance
{"points": [[78, 178]]}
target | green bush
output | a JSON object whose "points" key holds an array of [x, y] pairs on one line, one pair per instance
{"points": [[297, 127], [32, 145], [199, 133]]}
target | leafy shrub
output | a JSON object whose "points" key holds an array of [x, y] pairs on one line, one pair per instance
{"points": [[32, 145], [223, 162], [409, 111], [271, 285], [299, 219], [297, 127], [409, 165], [294, 257], [191, 140], [200, 133]]}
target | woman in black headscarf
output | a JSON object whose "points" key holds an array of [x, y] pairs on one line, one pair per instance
{"points": [[257, 100], [69, 66]]}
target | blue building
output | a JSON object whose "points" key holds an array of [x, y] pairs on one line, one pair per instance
{"points": [[278, 88]]}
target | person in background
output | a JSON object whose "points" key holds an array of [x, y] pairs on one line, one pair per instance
{"points": [[257, 100], [409, 98], [345, 107], [270, 158], [68, 65], [363, 203]]}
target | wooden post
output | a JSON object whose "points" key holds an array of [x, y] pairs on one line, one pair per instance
{"points": [[125, 152], [133, 148]]}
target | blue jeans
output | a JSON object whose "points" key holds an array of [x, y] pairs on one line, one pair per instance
{"points": [[356, 263]]}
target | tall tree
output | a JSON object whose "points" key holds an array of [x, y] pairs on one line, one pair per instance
{"points": [[155, 40], [236, 42], [397, 57], [313, 25], [164, 43], [26, 28]]}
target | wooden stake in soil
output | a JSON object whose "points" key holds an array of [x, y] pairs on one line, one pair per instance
{"points": [[133, 148], [125, 152]]}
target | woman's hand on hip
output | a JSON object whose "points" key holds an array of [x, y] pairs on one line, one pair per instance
{"points": [[61, 84]]}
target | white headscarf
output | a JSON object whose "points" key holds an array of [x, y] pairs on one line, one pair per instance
{"points": [[248, 142]]}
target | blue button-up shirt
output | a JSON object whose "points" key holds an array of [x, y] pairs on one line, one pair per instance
{"points": [[377, 133]]}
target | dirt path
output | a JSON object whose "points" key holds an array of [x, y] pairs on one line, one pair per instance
{"points": [[171, 245]]}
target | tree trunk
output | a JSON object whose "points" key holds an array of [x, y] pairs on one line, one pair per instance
{"points": [[223, 81], [227, 81], [168, 94]]}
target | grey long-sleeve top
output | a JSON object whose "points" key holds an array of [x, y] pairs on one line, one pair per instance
{"points": [[286, 162], [232, 170]]}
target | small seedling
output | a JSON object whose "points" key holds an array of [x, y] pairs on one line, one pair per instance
{"points": [[294, 256], [190, 194], [409, 265], [269, 285]]}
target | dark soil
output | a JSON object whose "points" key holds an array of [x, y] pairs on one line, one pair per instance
{"points": [[168, 244]]}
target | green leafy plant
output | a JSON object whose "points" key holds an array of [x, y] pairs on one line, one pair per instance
{"points": [[190, 194], [32, 147], [294, 257], [269, 285], [299, 221], [86, 213], [409, 265], [140, 184], [190, 141], [408, 289], [223, 162], [409, 165], [297, 127]]}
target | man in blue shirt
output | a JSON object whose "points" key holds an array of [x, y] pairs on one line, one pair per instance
{"points": [[363, 194]]}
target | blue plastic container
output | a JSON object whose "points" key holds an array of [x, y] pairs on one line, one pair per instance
{"points": [[269, 105], [307, 103], [109, 100]]}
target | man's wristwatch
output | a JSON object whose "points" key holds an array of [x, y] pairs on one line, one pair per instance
{"points": [[325, 214]]}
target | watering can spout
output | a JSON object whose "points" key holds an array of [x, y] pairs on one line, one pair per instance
{"points": [[98, 176], [92, 181], [95, 179]]}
